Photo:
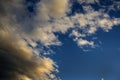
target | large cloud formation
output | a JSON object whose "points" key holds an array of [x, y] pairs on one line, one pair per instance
{"points": [[24, 22], [17, 61]]}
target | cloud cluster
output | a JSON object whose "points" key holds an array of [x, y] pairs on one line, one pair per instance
{"points": [[51, 17], [19, 27], [88, 22]]}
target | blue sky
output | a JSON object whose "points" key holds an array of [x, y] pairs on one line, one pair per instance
{"points": [[100, 62], [66, 39]]}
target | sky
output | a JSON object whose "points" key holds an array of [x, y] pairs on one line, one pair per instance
{"points": [[59, 40], [97, 63]]}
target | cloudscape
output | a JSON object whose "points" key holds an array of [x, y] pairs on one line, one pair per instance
{"points": [[59, 39]]}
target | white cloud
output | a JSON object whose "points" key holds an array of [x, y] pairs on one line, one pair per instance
{"points": [[94, 20], [77, 34], [92, 30], [87, 1], [53, 8], [45, 37], [82, 42]]}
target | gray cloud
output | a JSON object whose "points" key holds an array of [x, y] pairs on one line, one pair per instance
{"points": [[18, 63]]}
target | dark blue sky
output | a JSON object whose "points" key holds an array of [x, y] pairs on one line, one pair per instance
{"points": [[100, 62]]}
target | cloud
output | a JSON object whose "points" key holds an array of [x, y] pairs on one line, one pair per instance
{"points": [[78, 38], [77, 34], [87, 1], [50, 17], [17, 61], [82, 42], [37, 27], [53, 8], [89, 23]]}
